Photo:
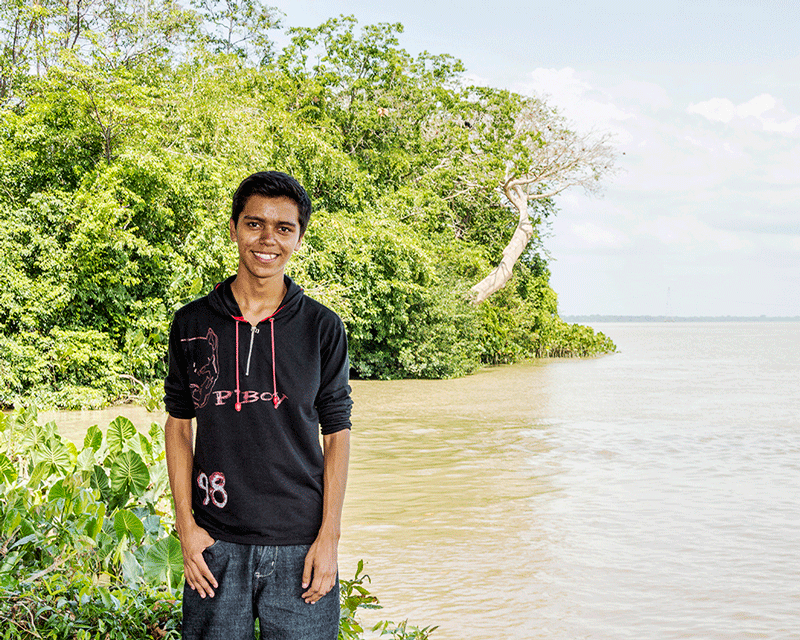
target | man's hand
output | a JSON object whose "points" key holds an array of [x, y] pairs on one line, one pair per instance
{"points": [[321, 565], [321, 559], [198, 576], [178, 438]]}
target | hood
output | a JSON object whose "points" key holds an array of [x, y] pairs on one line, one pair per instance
{"points": [[223, 302]]}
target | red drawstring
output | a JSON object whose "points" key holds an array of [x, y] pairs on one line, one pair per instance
{"points": [[238, 404], [275, 400]]}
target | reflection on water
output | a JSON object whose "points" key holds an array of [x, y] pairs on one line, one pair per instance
{"points": [[647, 494]]}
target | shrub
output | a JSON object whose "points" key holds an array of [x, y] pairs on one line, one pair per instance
{"points": [[87, 546]]}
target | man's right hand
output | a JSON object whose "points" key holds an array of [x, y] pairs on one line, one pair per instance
{"points": [[194, 540]]}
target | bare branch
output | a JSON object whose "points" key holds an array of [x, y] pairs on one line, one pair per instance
{"points": [[543, 157]]}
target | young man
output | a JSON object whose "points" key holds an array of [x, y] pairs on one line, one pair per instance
{"points": [[261, 368]]}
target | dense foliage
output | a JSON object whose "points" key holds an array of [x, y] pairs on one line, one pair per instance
{"points": [[85, 535], [87, 543], [124, 129]]}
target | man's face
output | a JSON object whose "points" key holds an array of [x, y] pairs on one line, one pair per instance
{"points": [[267, 234]]}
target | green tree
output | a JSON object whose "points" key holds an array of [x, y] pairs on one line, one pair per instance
{"points": [[383, 104], [239, 27], [124, 134]]}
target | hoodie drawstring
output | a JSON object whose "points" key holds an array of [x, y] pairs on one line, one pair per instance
{"points": [[254, 330], [275, 400], [238, 404]]}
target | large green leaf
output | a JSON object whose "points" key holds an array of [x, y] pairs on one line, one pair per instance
{"points": [[156, 432], [95, 524], [93, 438], [197, 286], [85, 460], [110, 601], [164, 562], [159, 479], [157, 439], [8, 472], [126, 523], [50, 429], [39, 473], [27, 419], [119, 432], [132, 572], [59, 491], [12, 521], [129, 474], [99, 481], [137, 340], [55, 454], [141, 445], [33, 436], [153, 525], [72, 450], [147, 448]]}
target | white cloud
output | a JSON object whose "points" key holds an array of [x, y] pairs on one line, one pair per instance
{"points": [[472, 79], [763, 112], [576, 99], [700, 200]]}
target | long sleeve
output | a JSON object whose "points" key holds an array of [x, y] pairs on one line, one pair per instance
{"points": [[333, 399], [177, 390]]}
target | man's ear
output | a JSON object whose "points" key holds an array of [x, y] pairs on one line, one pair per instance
{"points": [[299, 241], [232, 226]]}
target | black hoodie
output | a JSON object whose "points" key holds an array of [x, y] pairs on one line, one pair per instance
{"points": [[259, 396]]}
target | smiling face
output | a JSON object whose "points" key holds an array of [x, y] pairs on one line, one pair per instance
{"points": [[267, 233]]}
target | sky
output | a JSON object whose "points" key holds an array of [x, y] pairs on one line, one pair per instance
{"points": [[703, 99]]}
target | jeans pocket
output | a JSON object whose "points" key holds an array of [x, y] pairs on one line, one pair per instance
{"points": [[211, 550]]}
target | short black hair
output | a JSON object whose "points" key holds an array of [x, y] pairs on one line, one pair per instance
{"points": [[272, 184]]}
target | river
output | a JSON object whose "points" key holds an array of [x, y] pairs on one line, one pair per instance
{"points": [[648, 494]]}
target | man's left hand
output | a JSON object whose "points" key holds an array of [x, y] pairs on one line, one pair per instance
{"points": [[321, 565]]}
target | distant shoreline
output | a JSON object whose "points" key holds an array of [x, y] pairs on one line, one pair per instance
{"points": [[604, 318]]}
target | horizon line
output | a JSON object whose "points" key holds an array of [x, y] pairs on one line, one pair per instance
{"points": [[599, 317]]}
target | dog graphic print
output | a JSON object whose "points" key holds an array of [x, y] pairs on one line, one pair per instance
{"points": [[205, 367]]}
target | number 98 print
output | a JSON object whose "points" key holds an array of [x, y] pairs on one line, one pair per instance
{"points": [[214, 486]]}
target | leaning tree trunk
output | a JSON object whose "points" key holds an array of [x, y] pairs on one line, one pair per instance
{"points": [[501, 274]]}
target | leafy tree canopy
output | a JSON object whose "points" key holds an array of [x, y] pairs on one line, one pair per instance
{"points": [[126, 126]]}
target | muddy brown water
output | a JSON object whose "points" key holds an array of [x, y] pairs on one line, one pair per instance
{"points": [[647, 494]]}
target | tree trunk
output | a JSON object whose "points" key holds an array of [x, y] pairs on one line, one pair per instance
{"points": [[501, 274]]}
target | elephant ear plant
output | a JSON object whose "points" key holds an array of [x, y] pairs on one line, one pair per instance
{"points": [[87, 549], [85, 542]]}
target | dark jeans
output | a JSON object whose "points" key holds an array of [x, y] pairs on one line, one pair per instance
{"points": [[258, 582]]}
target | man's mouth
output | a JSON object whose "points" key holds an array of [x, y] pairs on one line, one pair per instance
{"points": [[265, 257]]}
